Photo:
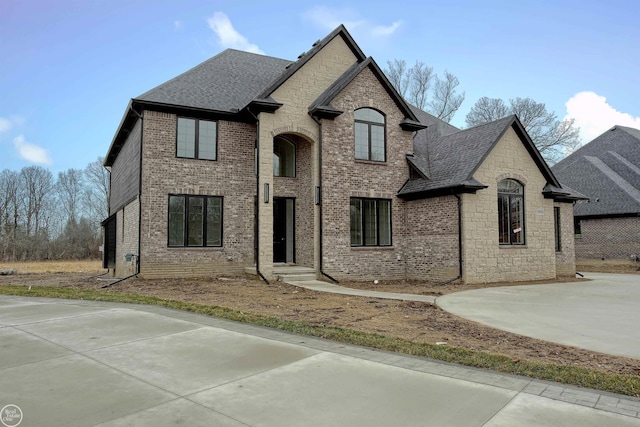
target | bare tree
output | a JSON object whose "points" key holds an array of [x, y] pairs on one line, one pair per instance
{"points": [[553, 138], [445, 101], [417, 81], [97, 190], [10, 206], [70, 189], [397, 73], [486, 110], [420, 76]]}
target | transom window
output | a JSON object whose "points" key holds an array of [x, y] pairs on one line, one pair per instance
{"points": [[370, 135], [370, 222], [284, 158], [195, 221], [511, 212], [197, 139]]}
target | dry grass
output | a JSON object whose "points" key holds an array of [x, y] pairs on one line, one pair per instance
{"points": [[39, 267], [607, 265]]}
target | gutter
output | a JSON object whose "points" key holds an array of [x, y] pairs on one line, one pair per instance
{"points": [[319, 122], [459, 244], [257, 218]]}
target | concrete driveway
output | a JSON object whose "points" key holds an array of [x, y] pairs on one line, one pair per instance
{"points": [[602, 314], [76, 363]]}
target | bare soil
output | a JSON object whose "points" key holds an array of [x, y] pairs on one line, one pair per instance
{"points": [[416, 321]]}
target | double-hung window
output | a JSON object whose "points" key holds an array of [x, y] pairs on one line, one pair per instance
{"points": [[370, 135], [510, 212], [195, 221], [197, 139], [370, 221]]}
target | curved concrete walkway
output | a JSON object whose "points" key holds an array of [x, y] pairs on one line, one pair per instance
{"points": [[87, 363], [317, 285], [602, 314]]}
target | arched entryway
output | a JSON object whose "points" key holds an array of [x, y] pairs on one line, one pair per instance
{"points": [[293, 204]]}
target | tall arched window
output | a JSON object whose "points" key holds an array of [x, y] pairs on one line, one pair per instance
{"points": [[510, 212], [284, 158], [370, 135]]}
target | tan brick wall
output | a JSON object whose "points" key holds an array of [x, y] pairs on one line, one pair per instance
{"points": [[232, 176], [608, 238], [126, 238], [484, 259], [343, 177], [297, 93], [566, 258]]}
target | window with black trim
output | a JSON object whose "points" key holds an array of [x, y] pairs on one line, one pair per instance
{"points": [[284, 158], [195, 221], [556, 227], [511, 212], [369, 135], [370, 221], [197, 139]]}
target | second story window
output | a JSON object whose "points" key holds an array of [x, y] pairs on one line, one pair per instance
{"points": [[284, 158], [370, 135], [197, 139]]}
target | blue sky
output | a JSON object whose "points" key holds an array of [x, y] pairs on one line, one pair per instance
{"points": [[68, 68]]}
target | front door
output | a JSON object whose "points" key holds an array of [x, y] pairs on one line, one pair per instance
{"points": [[283, 229]]}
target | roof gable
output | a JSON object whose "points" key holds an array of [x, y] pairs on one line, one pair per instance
{"points": [[322, 105], [453, 158]]}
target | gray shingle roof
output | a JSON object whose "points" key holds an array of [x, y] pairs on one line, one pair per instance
{"points": [[454, 157], [607, 170], [227, 82]]}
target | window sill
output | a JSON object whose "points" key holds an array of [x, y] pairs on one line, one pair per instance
{"points": [[370, 162], [191, 248], [372, 248], [513, 246]]}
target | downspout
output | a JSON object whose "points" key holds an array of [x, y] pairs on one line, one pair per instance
{"points": [[257, 218], [141, 117], [320, 185], [459, 243]]}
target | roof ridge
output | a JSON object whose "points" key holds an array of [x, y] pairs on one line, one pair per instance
{"points": [[625, 185]]}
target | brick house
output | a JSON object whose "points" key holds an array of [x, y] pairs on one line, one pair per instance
{"points": [[248, 162], [607, 171]]}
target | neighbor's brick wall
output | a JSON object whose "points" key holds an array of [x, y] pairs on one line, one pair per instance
{"points": [[566, 258], [300, 188], [343, 177], [126, 238], [608, 238], [432, 239], [485, 260], [232, 176]]}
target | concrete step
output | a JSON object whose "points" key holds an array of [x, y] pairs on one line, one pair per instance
{"points": [[297, 277]]}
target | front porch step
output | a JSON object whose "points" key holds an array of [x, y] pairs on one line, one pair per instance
{"points": [[294, 273]]}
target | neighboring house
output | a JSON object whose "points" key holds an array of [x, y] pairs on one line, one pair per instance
{"points": [[607, 171], [247, 161]]}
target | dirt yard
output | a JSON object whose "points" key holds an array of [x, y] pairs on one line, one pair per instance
{"points": [[415, 321]]}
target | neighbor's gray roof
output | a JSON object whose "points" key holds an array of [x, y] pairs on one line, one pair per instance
{"points": [[607, 170], [227, 82]]}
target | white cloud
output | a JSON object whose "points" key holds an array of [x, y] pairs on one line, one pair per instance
{"points": [[594, 115], [329, 19], [5, 124], [228, 37], [30, 152]]}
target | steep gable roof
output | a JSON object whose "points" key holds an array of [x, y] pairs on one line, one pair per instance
{"points": [[322, 105], [454, 157], [607, 170]]}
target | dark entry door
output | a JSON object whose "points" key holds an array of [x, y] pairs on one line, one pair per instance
{"points": [[283, 229]]}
